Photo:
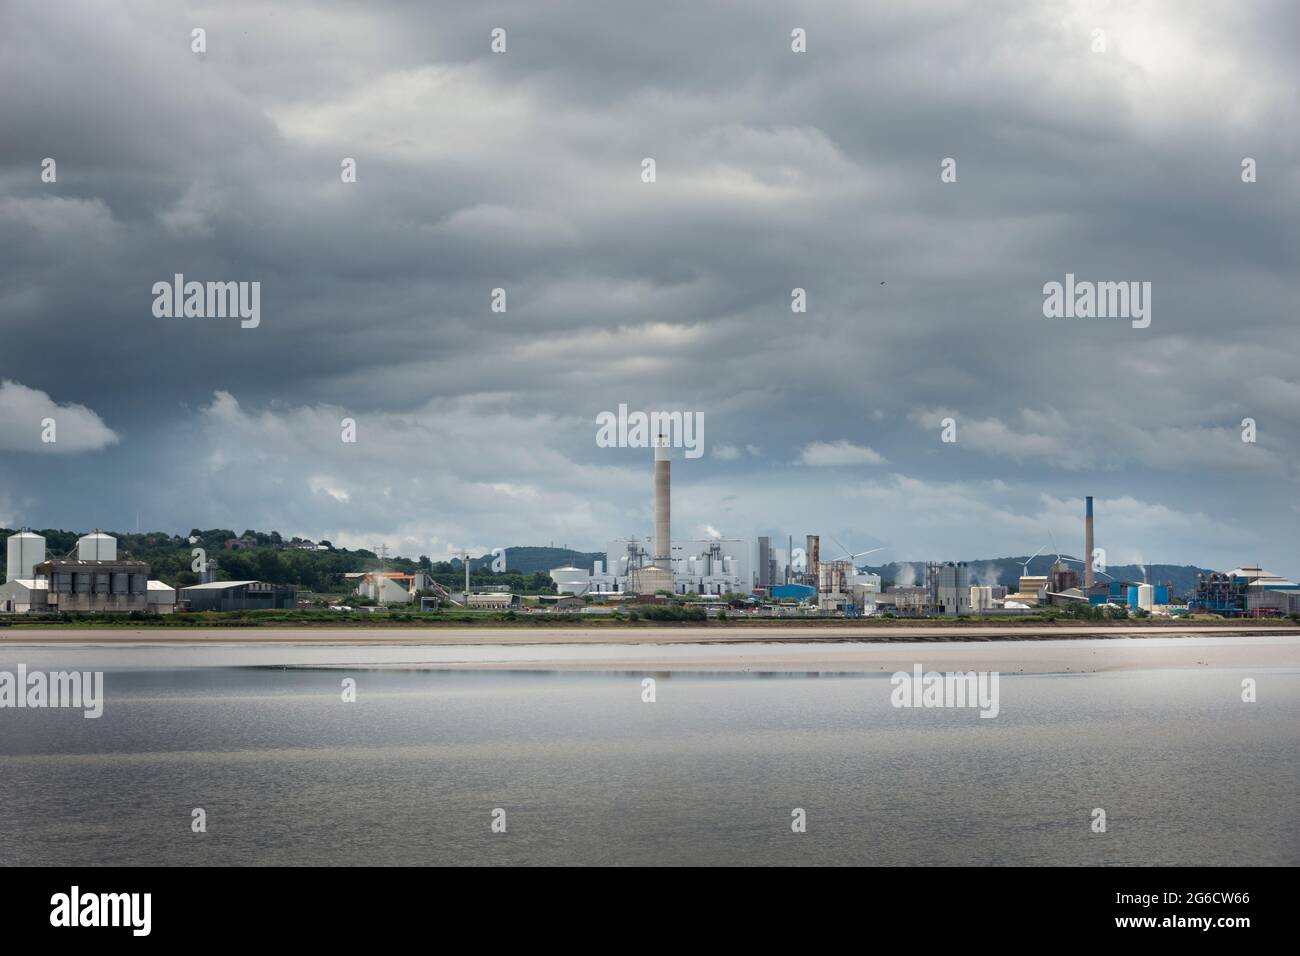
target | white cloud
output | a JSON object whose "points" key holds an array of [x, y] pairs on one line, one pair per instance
{"points": [[821, 454], [25, 411]]}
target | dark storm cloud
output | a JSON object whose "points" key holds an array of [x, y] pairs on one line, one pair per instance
{"points": [[775, 170]]}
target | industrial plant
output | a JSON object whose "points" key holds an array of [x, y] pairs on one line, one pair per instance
{"points": [[90, 580], [816, 579]]}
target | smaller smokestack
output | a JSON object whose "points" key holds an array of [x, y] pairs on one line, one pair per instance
{"points": [[1088, 577]]}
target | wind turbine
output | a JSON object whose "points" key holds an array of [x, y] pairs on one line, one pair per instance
{"points": [[858, 554], [1025, 564], [1059, 557]]}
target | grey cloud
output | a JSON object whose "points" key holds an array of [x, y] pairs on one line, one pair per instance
{"points": [[775, 170]]}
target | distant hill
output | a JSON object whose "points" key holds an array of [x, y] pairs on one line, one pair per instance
{"points": [[526, 560], [1182, 577]]}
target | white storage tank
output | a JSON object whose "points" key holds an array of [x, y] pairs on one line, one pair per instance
{"points": [[26, 550], [570, 580], [1146, 595], [97, 547]]}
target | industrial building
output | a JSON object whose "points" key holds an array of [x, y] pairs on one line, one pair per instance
{"points": [[93, 586], [392, 587], [698, 566], [239, 596], [1244, 591], [949, 588], [24, 596], [162, 597], [500, 600], [904, 601], [1030, 590], [94, 581]]}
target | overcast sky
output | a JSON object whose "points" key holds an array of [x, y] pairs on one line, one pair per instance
{"points": [[774, 170]]}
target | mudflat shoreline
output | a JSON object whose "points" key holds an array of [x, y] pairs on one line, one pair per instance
{"points": [[511, 636], [1050, 650]]}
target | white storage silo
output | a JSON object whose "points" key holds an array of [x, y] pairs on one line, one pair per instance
{"points": [[97, 547], [1146, 596], [26, 550], [570, 580]]}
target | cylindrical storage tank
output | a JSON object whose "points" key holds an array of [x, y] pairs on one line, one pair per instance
{"points": [[97, 547], [26, 550], [1146, 596], [1162, 594], [1133, 595], [81, 582], [101, 583], [570, 580], [120, 583]]}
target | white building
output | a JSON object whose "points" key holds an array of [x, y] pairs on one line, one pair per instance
{"points": [[393, 587], [24, 595], [162, 597]]}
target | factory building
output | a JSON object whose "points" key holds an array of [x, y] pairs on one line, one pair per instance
{"points": [[95, 586], [1248, 590], [239, 596], [1272, 602], [24, 596], [697, 566], [93, 581], [1030, 590], [949, 588]]}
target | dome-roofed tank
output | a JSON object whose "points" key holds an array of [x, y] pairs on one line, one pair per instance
{"points": [[570, 580], [97, 547], [26, 550]]}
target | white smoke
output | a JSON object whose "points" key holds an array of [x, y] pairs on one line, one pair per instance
{"points": [[712, 532], [904, 575]]}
